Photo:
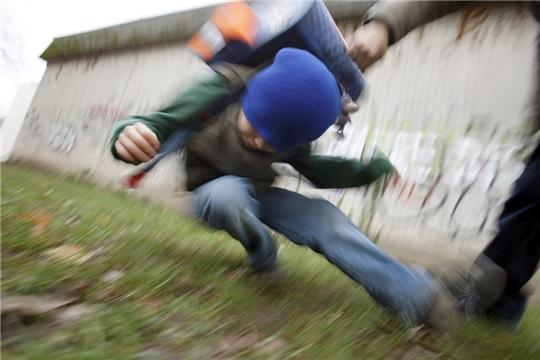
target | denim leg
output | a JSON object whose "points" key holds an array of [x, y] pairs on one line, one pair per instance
{"points": [[228, 203], [325, 229]]}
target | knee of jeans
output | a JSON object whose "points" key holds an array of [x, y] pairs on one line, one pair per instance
{"points": [[225, 195], [327, 213], [330, 220]]}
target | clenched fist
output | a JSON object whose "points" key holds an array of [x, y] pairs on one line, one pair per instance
{"points": [[370, 43], [137, 143]]}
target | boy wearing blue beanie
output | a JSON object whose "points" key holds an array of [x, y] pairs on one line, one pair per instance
{"points": [[228, 166], [293, 101]]}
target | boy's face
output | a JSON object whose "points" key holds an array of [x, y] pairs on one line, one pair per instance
{"points": [[249, 136]]}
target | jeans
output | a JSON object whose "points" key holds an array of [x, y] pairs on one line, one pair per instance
{"points": [[230, 203]]}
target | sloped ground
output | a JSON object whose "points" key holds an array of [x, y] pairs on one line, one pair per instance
{"points": [[92, 274]]}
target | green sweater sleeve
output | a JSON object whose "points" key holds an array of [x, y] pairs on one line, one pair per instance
{"points": [[181, 111], [327, 172]]}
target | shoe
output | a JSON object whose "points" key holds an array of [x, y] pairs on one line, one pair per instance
{"points": [[442, 309], [509, 310], [481, 288], [487, 282]]}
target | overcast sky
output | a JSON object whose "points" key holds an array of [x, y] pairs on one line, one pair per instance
{"points": [[27, 27]]}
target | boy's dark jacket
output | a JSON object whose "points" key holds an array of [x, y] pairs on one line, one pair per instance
{"points": [[215, 150]]}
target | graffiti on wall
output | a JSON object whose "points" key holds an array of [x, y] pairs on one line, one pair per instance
{"points": [[456, 189], [57, 136], [452, 184], [61, 137], [97, 122], [103, 112]]}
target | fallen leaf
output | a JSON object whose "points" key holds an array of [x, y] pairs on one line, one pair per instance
{"points": [[68, 202], [112, 276], [272, 346], [75, 253], [74, 313], [49, 192], [39, 218], [32, 305]]}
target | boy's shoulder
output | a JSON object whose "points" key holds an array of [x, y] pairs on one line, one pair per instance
{"points": [[237, 76]]}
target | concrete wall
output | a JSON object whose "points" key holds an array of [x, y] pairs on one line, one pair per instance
{"points": [[11, 126], [78, 101], [451, 111], [447, 105]]}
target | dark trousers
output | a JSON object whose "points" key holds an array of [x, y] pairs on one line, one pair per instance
{"points": [[516, 248]]}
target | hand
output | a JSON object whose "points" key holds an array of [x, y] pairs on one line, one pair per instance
{"points": [[370, 43], [137, 143], [348, 106]]}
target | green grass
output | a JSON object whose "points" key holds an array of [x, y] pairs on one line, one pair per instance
{"points": [[186, 292]]}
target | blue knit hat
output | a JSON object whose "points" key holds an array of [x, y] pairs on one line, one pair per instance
{"points": [[293, 101]]}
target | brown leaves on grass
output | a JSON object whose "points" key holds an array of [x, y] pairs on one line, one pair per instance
{"points": [[20, 311], [31, 306], [38, 218], [69, 252]]}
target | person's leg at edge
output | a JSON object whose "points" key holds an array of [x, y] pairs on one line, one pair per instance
{"points": [[511, 258]]}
